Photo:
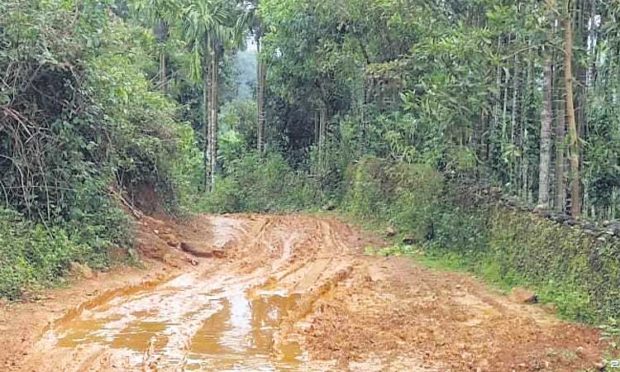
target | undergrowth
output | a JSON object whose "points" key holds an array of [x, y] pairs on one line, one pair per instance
{"points": [[449, 229], [33, 255], [252, 183]]}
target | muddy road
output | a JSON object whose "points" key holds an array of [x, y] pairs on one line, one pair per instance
{"points": [[263, 293]]}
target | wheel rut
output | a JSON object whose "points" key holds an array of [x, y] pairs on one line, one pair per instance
{"points": [[297, 293]]}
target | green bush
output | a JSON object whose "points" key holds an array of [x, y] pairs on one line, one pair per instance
{"points": [[85, 122], [574, 270], [32, 255], [404, 195], [366, 187], [147, 145], [261, 184]]}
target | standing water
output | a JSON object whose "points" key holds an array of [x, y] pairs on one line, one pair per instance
{"points": [[189, 323]]}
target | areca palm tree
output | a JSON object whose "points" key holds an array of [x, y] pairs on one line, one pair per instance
{"points": [[159, 14], [254, 22], [210, 27]]}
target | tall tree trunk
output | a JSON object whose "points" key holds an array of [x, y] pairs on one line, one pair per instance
{"points": [[582, 44], [161, 32], [163, 72], [525, 165], [260, 99], [573, 133], [322, 133], [514, 173], [316, 129], [498, 85], [496, 108], [545, 134], [214, 113], [206, 118], [505, 103], [560, 158]]}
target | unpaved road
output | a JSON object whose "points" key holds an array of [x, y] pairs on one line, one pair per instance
{"points": [[287, 293]]}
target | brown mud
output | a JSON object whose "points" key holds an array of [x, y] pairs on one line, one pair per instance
{"points": [[283, 293]]}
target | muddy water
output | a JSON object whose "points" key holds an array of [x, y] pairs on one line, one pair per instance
{"points": [[188, 323], [292, 278]]}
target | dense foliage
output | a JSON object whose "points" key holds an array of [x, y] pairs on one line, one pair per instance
{"points": [[80, 127], [457, 85], [516, 95], [33, 254]]}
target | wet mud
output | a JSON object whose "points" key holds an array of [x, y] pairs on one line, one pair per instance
{"points": [[293, 293]]}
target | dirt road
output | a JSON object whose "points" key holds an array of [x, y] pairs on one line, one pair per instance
{"points": [[290, 293]]}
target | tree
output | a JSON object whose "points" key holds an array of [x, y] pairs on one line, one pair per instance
{"points": [[256, 27], [573, 134], [560, 158], [545, 135], [205, 24], [158, 14], [261, 83]]}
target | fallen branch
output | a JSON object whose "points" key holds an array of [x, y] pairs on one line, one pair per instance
{"points": [[135, 211]]}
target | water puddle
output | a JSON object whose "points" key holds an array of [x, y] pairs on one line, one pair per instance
{"points": [[241, 335], [190, 324]]}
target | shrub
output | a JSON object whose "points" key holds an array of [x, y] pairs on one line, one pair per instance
{"points": [[33, 255], [261, 184], [406, 195], [80, 118], [576, 271]]}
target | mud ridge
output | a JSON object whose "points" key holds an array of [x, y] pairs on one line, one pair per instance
{"points": [[297, 293]]}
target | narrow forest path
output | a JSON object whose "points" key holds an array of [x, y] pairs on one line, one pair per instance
{"points": [[291, 293]]}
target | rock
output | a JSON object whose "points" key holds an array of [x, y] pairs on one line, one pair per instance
{"points": [[81, 270], [409, 240], [589, 226], [523, 296], [390, 232], [572, 222], [217, 253], [581, 353], [170, 239], [614, 228], [330, 206], [560, 218]]}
